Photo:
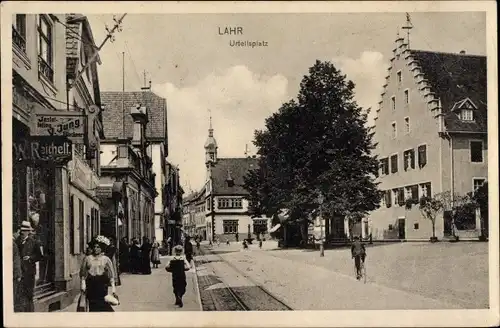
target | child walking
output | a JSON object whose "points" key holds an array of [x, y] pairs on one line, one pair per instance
{"points": [[178, 267]]}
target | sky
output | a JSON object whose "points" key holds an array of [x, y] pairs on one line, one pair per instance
{"points": [[200, 74]]}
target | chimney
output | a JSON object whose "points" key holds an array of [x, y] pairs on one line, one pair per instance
{"points": [[462, 52], [140, 116]]}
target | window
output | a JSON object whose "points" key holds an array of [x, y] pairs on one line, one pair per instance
{"points": [[45, 48], [407, 125], [400, 77], [19, 32], [476, 151], [478, 183], [407, 97], [394, 131], [387, 198], [384, 166], [122, 151], [81, 211], [394, 163], [425, 189], [230, 203], [208, 204], [390, 227], [259, 226], [401, 196], [466, 115], [414, 193], [230, 226], [407, 193], [72, 226], [89, 226], [409, 159], [415, 226], [422, 156], [393, 103]]}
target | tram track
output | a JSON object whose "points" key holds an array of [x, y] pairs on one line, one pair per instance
{"points": [[224, 297]]}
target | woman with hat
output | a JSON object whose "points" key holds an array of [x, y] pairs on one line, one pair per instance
{"points": [[96, 274], [178, 267], [30, 253]]}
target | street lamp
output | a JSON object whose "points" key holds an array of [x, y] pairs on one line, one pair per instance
{"points": [[321, 198]]}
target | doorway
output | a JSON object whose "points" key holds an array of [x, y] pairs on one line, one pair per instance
{"points": [[401, 228]]}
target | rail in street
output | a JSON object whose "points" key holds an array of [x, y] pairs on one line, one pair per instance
{"points": [[223, 287]]}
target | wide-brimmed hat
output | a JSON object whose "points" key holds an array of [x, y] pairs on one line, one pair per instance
{"points": [[26, 226], [178, 249]]}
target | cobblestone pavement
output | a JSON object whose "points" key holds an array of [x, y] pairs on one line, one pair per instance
{"points": [[153, 292], [400, 276], [456, 273]]}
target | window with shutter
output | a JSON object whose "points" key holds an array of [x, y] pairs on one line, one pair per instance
{"points": [[422, 155], [394, 163], [388, 202], [405, 160], [401, 196], [412, 158], [414, 192]]}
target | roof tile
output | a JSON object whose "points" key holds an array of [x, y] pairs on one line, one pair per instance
{"points": [[238, 168]]}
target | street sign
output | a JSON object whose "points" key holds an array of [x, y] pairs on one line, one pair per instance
{"points": [[43, 149]]}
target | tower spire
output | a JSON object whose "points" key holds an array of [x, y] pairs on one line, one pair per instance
{"points": [[210, 128], [408, 27]]}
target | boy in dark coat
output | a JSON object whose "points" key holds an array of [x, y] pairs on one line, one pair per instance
{"points": [[178, 267]]}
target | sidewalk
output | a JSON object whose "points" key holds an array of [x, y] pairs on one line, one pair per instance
{"points": [[152, 292]]}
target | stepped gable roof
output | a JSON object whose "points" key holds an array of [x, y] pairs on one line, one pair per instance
{"points": [[238, 168], [455, 77], [156, 129]]}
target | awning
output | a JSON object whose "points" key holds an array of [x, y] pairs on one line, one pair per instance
{"points": [[276, 227]]}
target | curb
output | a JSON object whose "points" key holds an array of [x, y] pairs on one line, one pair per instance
{"points": [[198, 294]]}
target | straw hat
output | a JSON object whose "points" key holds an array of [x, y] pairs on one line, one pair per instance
{"points": [[178, 250], [26, 226]]}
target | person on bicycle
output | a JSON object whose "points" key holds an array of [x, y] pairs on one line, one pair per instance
{"points": [[358, 253]]}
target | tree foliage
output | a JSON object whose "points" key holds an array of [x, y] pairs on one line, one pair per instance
{"points": [[317, 143]]}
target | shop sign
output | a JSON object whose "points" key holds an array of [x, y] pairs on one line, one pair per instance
{"points": [[69, 124], [54, 149]]}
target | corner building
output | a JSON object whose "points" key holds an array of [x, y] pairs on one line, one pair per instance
{"points": [[431, 136]]}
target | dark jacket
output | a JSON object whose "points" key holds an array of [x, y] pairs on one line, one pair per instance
{"points": [[358, 248], [18, 273], [30, 248]]}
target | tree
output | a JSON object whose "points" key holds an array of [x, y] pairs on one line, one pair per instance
{"points": [[317, 143], [480, 198], [431, 207]]}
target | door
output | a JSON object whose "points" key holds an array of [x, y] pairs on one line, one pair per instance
{"points": [[402, 228]]}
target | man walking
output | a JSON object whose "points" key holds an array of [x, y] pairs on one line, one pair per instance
{"points": [[30, 253]]}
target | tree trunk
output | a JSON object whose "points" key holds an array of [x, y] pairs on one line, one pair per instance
{"points": [[433, 229]]}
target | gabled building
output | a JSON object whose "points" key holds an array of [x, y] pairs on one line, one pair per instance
{"points": [[135, 145], [223, 201], [172, 203], [431, 136]]}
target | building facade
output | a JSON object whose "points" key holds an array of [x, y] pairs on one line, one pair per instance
{"points": [[128, 184], [119, 125], [431, 136], [172, 201], [49, 104], [221, 209]]}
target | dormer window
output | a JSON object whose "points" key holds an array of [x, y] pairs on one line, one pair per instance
{"points": [[230, 180], [466, 115]]}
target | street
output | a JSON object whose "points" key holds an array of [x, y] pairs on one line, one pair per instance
{"points": [[400, 276]]}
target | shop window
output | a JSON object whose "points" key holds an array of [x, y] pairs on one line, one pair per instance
{"points": [[230, 226]]}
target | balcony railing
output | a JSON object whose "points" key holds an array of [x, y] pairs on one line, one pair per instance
{"points": [[45, 69], [18, 39]]}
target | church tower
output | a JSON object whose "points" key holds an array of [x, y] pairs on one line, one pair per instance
{"points": [[210, 148]]}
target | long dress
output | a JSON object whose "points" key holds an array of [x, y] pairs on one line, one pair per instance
{"points": [[135, 253], [188, 250], [155, 253], [124, 257], [145, 258], [98, 273]]}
